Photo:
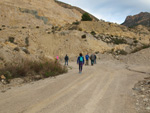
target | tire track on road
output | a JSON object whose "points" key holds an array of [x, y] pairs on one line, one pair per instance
{"points": [[97, 96], [40, 105]]}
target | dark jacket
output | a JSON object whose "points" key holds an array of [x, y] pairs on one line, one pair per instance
{"points": [[92, 57], [66, 58], [95, 57]]}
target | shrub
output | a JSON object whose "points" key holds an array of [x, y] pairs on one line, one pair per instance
{"points": [[37, 27], [119, 41], [16, 49], [76, 23], [83, 36], [86, 17], [80, 29], [3, 26], [23, 27], [30, 68], [93, 33], [122, 52], [27, 41], [11, 39], [135, 41]]}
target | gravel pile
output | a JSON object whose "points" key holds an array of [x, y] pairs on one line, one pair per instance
{"points": [[142, 95], [141, 58]]}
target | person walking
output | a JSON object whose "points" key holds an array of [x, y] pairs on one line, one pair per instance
{"points": [[80, 62], [87, 59], [66, 59], [56, 59], [95, 59], [92, 58]]}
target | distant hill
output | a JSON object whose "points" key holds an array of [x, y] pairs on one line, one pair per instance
{"points": [[142, 18]]}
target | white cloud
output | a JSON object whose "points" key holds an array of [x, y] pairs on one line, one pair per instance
{"points": [[112, 10]]}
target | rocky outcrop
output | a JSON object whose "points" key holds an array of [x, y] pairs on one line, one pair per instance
{"points": [[140, 19]]}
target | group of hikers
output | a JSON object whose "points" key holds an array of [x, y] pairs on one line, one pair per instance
{"points": [[80, 60]]}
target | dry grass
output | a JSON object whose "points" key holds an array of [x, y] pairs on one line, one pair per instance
{"points": [[30, 68]]}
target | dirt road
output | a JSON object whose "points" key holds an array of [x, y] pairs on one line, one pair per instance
{"points": [[103, 88]]}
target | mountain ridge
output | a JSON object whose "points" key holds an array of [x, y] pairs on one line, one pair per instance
{"points": [[142, 18]]}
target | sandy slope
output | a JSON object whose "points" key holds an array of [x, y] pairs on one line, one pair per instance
{"points": [[38, 10], [103, 88]]}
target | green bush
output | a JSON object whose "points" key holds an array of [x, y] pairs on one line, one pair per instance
{"points": [[83, 36], [93, 33], [86, 17], [119, 41], [30, 68], [76, 23]]}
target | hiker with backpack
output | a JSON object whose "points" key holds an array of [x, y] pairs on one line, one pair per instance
{"points": [[87, 59], [92, 58], [66, 59], [80, 62]]}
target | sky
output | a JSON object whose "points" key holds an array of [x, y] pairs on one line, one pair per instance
{"points": [[114, 11]]}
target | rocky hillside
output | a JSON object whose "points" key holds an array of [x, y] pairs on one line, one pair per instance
{"points": [[31, 32], [33, 12], [140, 19]]}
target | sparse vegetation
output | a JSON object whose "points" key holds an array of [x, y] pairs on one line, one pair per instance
{"points": [[83, 36], [86, 17], [76, 23], [122, 52], [118, 52], [119, 41], [31, 69], [23, 27], [37, 27], [16, 49], [27, 41], [73, 27], [93, 33], [135, 40], [11, 39], [80, 29], [140, 48], [3, 25]]}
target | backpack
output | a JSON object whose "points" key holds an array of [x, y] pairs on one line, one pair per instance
{"points": [[81, 59]]}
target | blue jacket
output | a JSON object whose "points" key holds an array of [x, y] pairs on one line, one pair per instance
{"points": [[87, 57], [78, 60]]}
